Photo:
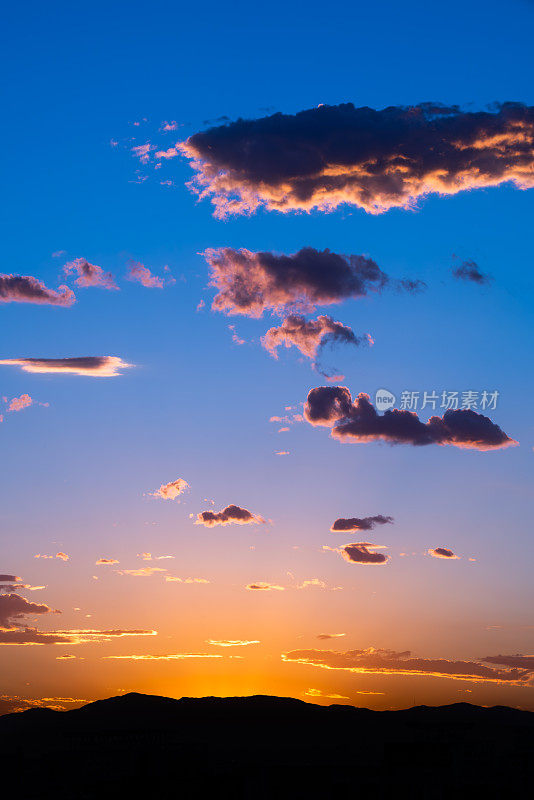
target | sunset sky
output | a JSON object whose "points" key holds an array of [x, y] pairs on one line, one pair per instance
{"points": [[226, 228]]}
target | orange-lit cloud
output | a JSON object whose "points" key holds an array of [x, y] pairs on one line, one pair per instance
{"points": [[94, 366], [27, 289], [89, 274], [330, 635], [142, 572], [310, 336], [361, 553], [62, 556], [358, 421], [105, 561], [232, 514], [442, 552], [328, 156], [320, 693], [263, 586], [176, 579], [164, 657], [232, 642], [172, 490], [389, 662], [10, 704], [140, 274], [250, 283], [18, 403]]}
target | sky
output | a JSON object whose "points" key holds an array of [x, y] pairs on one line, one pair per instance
{"points": [[238, 260]]}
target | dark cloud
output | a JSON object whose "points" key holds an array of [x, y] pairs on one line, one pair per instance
{"points": [[517, 661], [230, 514], [470, 271], [362, 553], [330, 635], [359, 524], [442, 552], [391, 662], [250, 283], [13, 608], [9, 578], [310, 336], [332, 155], [358, 421], [97, 366], [26, 289]]}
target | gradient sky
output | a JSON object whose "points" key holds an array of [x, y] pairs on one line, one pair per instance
{"points": [[84, 458]]}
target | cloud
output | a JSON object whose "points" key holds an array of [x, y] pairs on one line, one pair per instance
{"points": [[95, 366], [250, 283], [262, 586], [176, 579], [517, 661], [469, 271], [282, 453], [26, 289], [390, 662], [172, 490], [442, 552], [330, 635], [6, 578], [328, 156], [89, 274], [140, 274], [165, 657], [320, 693], [10, 704], [232, 514], [232, 642], [103, 561], [13, 608], [358, 421], [142, 572], [142, 152], [62, 556], [359, 524], [361, 553], [310, 336], [18, 403]]}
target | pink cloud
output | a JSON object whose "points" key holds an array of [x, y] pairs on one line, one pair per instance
{"points": [[27, 289], [140, 274], [89, 274]]}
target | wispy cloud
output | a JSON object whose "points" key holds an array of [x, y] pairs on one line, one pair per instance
{"points": [[93, 366]]}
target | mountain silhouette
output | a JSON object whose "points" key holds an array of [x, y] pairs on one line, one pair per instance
{"points": [[146, 746]]}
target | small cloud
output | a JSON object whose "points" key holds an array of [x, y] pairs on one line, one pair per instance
{"points": [[359, 523], [361, 553], [232, 514], [442, 552], [89, 274], [27, 289], [94, 366], [142, 572], [330, 635], [165, 657], [138, 273], [282, 453], [105, 561], [176, 579], [470, 271], [18, 403], [142, 152], [262, 586], [232, 642], [172, 490], [320, 693]]}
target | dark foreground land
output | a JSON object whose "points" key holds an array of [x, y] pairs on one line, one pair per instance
{"points": [[141, 746]]}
